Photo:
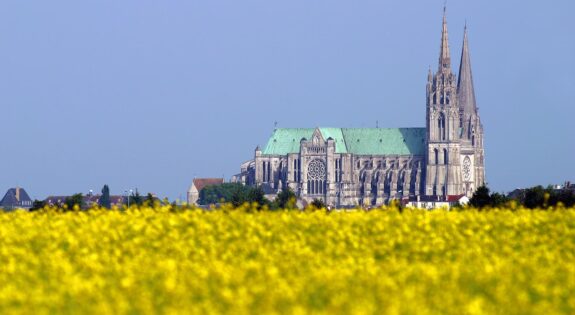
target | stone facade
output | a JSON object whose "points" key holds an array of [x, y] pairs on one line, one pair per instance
{"points": [[372, 166]]}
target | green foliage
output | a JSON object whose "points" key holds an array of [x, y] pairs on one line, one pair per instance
{"points": [[213, 194], [539, 197], [37, 205], [105, 198], [566, 197], [75, 200], [234, 193], [286, 199], [483, 199], [318, 204], [150, 200], [136, 199], [531, 198]]}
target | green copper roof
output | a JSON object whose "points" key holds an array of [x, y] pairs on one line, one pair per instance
{"points": [[362, 141], [385, 141], [286, 140]]}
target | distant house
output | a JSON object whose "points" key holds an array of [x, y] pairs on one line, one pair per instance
{"points": [[433, 202], [89, 200], [16, 198], [197, 185], [93, 200]]}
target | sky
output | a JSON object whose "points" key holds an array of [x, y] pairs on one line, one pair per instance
{"points": [[149, 94]]}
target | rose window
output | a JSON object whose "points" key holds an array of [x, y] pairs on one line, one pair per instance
{"points": [[316, 170]]}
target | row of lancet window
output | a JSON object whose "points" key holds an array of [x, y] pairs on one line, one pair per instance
{"points": [[442, 99], [338, 170], [445, 156], [267, 171], [297, 170], [315, 187]]}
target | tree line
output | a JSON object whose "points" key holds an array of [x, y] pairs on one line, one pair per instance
{"points": [[531, 198], [238, 194]]}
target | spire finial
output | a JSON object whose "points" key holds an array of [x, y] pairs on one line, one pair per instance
{"points": [[444, 58]]}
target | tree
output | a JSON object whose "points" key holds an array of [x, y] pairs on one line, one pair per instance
{"points": [[539, 197], [286, 199], [213, 194], [498, 199], [239, 196], [105, 198], [534, 197], [318, 203], [150, 200], [37, 205], [75, 200], [566, 197], [234, 193], [480, 198], [256, 194], [136, 199]]}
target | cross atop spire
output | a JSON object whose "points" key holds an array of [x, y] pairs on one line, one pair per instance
{"points": [[444, 58]]}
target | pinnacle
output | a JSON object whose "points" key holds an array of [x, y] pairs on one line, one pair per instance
{"points": [[444, 57]]}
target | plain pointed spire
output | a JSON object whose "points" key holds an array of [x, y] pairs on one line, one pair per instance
{"points": [[465, 90], [444, 58]]}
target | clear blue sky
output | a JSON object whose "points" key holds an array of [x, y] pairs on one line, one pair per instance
{"points": [[148, 94]]}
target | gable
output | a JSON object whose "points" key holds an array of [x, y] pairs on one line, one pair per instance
{"points": [[287, 140], [200, 183]]}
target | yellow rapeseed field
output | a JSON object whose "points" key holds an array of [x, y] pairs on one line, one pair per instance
{"points": [[236, 261]]}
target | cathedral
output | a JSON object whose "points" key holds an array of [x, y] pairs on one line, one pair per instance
{"points": [[347, 167]]}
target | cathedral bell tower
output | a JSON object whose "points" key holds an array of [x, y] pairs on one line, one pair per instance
{"points": [[443, 172]]}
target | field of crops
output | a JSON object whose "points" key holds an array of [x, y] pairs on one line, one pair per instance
{"points": [[235, 261]]}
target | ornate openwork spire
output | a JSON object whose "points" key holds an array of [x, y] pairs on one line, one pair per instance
{"points": [[444, 58], [465, 90]]}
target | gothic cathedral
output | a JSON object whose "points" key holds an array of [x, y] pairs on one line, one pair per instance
{"points": [[372, 166]]}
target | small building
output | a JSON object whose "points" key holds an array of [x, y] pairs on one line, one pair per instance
{"points": [[88, 200], [16, 198], [94, 200], [197, 185], [434, 202]]}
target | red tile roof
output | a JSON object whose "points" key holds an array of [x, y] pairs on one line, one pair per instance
{"points": [[453, 198], [200, 183]]}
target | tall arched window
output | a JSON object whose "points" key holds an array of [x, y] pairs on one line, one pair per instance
{"points": [[441, 126], [445, 157], [436, 156], [269, 172]]}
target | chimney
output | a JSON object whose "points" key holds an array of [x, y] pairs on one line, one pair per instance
{"points": [[18, 194]]}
